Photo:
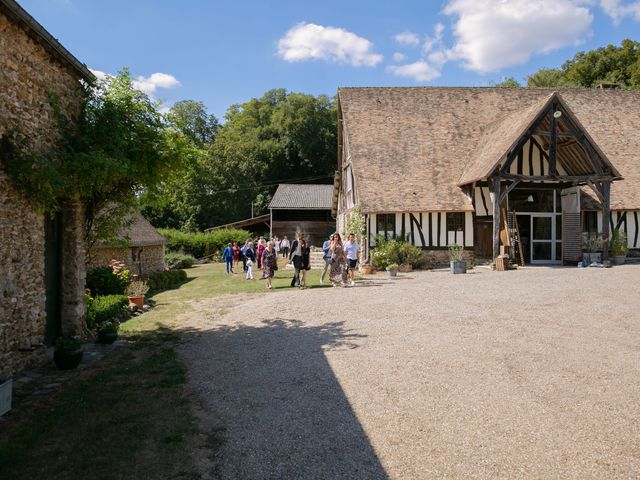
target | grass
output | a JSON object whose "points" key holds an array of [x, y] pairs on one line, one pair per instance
{"points": [[130, 417]]}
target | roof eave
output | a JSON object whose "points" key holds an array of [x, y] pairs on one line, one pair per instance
{"points": [[22, 16]]}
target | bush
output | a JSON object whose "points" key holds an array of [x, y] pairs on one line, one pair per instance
{"points": [[201, 244], [163, 280], [178, 260], [104, 281], [105, 309], [398, 252]]}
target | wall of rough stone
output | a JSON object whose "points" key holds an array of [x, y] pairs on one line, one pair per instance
{"points": [[149, 259], [27, 74], [438, 258]]}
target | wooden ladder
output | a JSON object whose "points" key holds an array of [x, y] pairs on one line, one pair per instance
{"points": [[514, 231]]}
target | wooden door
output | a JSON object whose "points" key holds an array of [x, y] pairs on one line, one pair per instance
{"points": [[52, 277], [483, 237]]}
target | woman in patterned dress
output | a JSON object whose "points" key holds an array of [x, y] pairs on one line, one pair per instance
{"points": [[269, 263], [261, 249], [338, 272]]}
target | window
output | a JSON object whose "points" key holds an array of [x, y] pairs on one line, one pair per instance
{"points": [[590, 222], [385, 224], [455, 222]]}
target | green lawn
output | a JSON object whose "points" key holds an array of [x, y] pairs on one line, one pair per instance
{"points": [[129, 417]]}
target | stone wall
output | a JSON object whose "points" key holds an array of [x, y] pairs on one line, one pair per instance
{"points": [[439, 258], [149, 259], [28, 74]]}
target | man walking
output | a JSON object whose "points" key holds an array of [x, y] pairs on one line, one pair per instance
{"points": [[284, 246], [351, 249], [326, 256], [227, 256]]}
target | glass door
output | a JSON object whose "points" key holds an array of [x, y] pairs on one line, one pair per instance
{"points": [[543, 238]]}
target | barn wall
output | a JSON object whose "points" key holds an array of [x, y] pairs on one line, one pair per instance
{"points": [[628, 221], [426, 229], [315, 232]]}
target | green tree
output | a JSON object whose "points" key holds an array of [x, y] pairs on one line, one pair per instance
{"points": [[116, 149], [509, 82], [619, 65], [191, 118]]}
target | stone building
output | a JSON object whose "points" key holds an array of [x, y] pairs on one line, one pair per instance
{"points": [[42, 271], [140, 248]]}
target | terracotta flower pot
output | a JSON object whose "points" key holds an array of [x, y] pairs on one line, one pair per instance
{"points": [[137, 301], [367, 269]]}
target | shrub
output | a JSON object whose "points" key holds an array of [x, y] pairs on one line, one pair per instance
{"points": [[201, 244], [106, 308], [103, 281], [456, 252], [398, 252], [178, 260], [137, 288], [619, 243], [163, 280]]}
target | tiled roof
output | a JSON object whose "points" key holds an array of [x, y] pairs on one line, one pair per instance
{"points": [[409, 147], [137, 232], [302, 197]]}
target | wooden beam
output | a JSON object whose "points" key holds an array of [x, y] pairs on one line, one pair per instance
{"points": [[544, 133], [503, 195], [596, 191], [553, 146], [556, 178], [606, 212], [495, 187]]}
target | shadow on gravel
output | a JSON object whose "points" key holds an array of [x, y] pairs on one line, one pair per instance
{"points": [[283, 412]]}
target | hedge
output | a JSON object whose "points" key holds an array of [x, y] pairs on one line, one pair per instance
{"points": [[175, 260], [200, 244], [103, 281], [163, 280], [105, 308]]}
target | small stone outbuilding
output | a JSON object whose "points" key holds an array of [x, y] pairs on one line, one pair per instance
{"points": [[141, 248], [42, 260]]}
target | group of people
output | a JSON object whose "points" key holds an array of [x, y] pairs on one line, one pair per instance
{"points": [[340, 259]]}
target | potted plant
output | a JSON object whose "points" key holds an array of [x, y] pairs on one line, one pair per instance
{"points": [[619, 247], [392, 268], [6, 388], [136, 291], [593, 244], [457, 264], [108, 332], [367, 269], [68, 353]]}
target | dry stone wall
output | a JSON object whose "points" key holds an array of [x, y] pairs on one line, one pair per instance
{"points": [[28, 76], [148, 259]]}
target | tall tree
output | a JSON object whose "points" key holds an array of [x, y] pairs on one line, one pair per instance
{"points": [[191, 118], [610, 64]]}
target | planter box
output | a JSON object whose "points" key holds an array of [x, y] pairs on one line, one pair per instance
{"points": [[393, 272], [618, 259], [590, 257], [458, 267], [6, 388]]}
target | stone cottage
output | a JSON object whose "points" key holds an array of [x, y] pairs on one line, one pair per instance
{"points": [[42, 260], [140, 247]]}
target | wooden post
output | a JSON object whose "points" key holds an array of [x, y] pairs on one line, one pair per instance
{"points": [[606, 213], [554, 142], [495, 187]]}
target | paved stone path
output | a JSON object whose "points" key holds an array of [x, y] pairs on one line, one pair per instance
{"points": [[524, 374]]}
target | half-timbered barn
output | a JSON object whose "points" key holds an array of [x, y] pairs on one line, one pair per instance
{"points": [[429, 164]]}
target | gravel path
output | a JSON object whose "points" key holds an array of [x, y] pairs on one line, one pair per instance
{"points": [[523, 374]]}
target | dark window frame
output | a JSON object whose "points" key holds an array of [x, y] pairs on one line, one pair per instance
{"points": [[385, 224], [455, 221]]}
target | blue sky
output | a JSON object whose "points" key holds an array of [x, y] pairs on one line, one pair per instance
{"points": [[225, 52]]}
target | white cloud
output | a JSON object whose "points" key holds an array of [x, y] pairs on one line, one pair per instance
{"points": [[420, 71], [307, 41], [491, 34], [399, 57], [100, 75], [617, 10], [154, 81], [407, 38], [436, 41]]}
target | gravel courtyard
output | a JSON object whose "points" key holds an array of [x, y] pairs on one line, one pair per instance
{"points": [[523, 374]]}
